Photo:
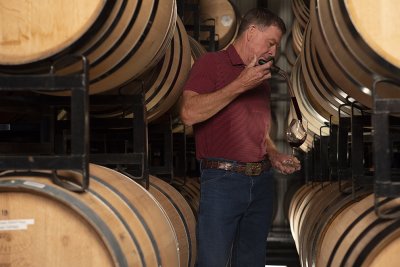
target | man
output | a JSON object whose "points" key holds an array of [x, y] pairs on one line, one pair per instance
{"points": [[227, 100]]}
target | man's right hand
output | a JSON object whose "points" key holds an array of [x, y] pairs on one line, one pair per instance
{"points": [[253, 75]]}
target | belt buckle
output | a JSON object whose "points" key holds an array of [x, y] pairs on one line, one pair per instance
{"points": [[227, 166], [253, 169]]}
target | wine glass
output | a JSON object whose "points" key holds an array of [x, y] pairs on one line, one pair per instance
{"points": [[296, 133]]}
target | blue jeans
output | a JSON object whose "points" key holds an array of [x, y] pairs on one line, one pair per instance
{"points": [[234, 218]]}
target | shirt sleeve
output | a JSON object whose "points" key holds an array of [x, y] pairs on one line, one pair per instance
{"points": [[202, 76]]}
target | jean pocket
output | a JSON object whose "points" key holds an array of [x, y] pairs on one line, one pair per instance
{"points": [[212, 175]]}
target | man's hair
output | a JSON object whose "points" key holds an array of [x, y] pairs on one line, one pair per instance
{"points": [[261, 17]]}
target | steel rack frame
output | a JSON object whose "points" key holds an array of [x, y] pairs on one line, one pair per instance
{"points": [[137, 138], [78, 159], [386, 183], [196, 28], [162, 129]]}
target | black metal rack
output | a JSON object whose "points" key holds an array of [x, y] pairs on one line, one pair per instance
{"points": [[132, 131], [340, 155], [171, 153], [197, 27], [68, 145], [347, 146], [161, 136], [78, 159], [386, 183]]}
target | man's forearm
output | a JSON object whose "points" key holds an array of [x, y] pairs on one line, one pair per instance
{"points": [[196, 107]]}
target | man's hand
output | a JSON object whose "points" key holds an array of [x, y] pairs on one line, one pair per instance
{"points": [[253, 74], [284, 164]]}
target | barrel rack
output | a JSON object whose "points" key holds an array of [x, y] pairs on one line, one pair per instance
{"points": [[131, 131], [78, 159], [197, 27], [386, 184], [161, 147], [171, 154], [360, 149], [70, 149]]}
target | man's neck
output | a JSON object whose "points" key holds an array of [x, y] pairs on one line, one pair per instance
{"points": [[240, 47]]}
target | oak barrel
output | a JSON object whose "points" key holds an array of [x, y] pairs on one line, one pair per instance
{"points": [[357, 237], [310, 114], [357, 43], [222, 14], [116, 222], [162, 84], [319, 86], [181, 216], [189, 187], [127, 38], [335, 227], [31, 30]]}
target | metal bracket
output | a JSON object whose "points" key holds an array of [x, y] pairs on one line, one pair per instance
{"points": [[137, 135], [79, 103], [384, 185]]}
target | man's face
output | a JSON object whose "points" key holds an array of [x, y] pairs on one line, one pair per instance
{"points": [[263, 42]]}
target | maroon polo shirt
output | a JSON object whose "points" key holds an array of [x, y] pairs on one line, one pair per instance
{"points": [[238, 131]]}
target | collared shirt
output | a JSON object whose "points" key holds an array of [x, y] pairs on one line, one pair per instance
{"points": [[238, 131]]}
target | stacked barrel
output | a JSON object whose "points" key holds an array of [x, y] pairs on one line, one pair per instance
{"points": [[301, 18], [222, 16], [132, 47], [340, 58], [346, 47], [333, 227], [122, 42], [116, 222]]}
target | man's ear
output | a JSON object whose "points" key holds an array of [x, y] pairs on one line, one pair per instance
{"points": [[251, 31]]}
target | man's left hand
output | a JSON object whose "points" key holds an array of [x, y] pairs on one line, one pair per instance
{"points": [[285, 164]]}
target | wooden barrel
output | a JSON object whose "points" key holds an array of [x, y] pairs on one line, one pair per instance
{"points": [[297, 37], [328, 195], [162, 84], [116, 222], [197, 50], [319, 88], [301, 18], [310, 114], [31, 31], [294, 205], [357, 237], [181, 216], [190, 190], [128, 38], [300, 209], [222, 14], [339, 229], [301, 12], [354, 49]]}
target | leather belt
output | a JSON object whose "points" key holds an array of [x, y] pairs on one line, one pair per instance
{"points": [[250, 168]]}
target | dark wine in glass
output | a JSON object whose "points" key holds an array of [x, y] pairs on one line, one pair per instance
{"points": [[296, 143], [296, 133]]}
